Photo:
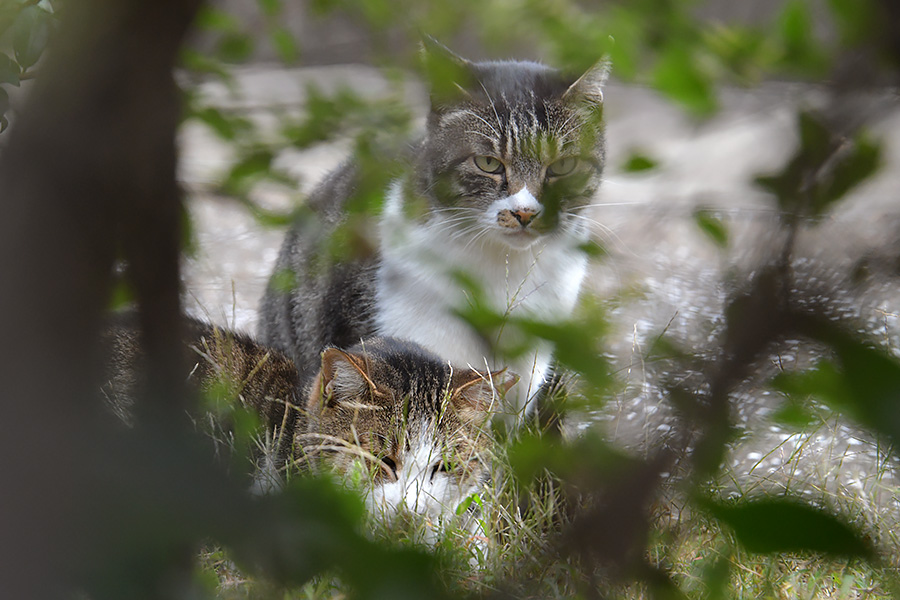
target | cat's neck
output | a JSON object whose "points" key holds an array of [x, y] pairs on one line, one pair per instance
{"points": [[418, 291]]}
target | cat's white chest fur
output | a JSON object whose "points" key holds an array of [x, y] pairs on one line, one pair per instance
{"points": [[418, 296]]}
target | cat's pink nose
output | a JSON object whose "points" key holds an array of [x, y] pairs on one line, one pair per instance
{"points": [[524, 216]]}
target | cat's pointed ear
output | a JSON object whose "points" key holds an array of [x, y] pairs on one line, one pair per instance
{"points": [[473, 394], [343, 375], [449, 77], [588, 89]]}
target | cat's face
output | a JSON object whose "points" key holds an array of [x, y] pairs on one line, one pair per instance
{"points": [[514, 150], [414, 431]]}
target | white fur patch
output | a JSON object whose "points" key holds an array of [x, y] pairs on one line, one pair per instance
{"points": [[417, 294], [419, 488]]}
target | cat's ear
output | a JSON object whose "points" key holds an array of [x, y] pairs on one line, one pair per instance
{"points": [[449, 77], [343, 376], [588, 89], [473, 394]]}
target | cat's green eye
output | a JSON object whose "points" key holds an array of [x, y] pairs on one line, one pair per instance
{"points": [[489, 164], [562, 167]]}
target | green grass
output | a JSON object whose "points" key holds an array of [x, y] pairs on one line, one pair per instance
{"points": [[525, 557]]}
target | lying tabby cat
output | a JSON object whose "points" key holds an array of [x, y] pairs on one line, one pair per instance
{"points": [[385, 406]]}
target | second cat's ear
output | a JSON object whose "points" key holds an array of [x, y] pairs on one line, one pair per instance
{"points": [[449, 77], [588, 89], [343, 375], [476, 395]]}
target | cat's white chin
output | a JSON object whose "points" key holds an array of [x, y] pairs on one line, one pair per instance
{"points": [[519, 240]]}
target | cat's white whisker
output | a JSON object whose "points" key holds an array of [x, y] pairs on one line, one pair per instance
{"points": [[483, 120]]}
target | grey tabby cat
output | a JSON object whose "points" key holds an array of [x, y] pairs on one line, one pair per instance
{"points": [[385, 408], [498, 189]]}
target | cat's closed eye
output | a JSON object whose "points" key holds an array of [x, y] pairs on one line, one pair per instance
{"points": [[562, 167], [489, 164], [442, 466], [390, 466]]}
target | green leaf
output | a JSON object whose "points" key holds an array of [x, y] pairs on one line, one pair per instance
{"points": [[214, 19], [815, 136], [717, 577], [638, 162], [201, 63], [793, 414], [272, 8], [9, 70], [121, 296], [8, 13], [30, 33], [593, 249], [4, 101], [576, 347], [856, 19], [800, 50], [712, 226], [745, 52], [284, 43], [676, 75], [589, 456], [821, 172], [235, 47], [862, 382], [777, 525], [227, 127], [850, 169], [247, 170]]}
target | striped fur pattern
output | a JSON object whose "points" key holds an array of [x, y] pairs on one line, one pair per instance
{"points": [[386, 413]]}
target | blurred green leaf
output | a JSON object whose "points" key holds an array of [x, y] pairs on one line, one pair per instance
{"points": [[201, 63], [9, 70], [800, 50], [122, 295], [676, 75], [235, 47], [778, 525], [8, 13], [251, 167], [717, 577], [856, 20], [576, 347], [863, 382], [593, 249], [227, 127], [794, 414], [850, 168], [589, 458], [271, 8], [323, 7], [638, 162], [283, 280], [746, 53], [712, 226], [285, 45], [823, 169], [30, 33], [4, 101], [215, 19]]}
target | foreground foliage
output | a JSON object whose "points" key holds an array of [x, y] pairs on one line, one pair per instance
{"points": [[569, 517]]}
